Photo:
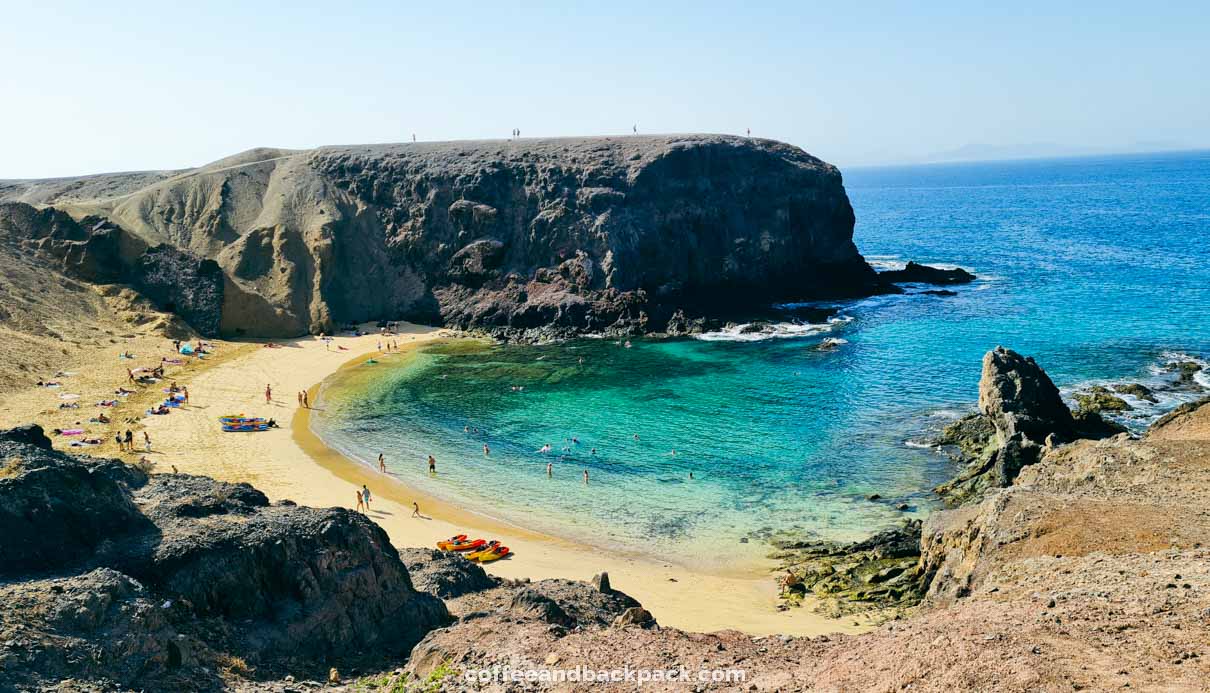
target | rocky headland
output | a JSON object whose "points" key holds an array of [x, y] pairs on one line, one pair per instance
{"points": [[521, 239]]}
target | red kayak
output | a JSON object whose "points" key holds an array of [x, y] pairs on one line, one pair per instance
{"points": [[466, 545]]}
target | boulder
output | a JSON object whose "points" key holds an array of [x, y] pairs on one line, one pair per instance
{"points": [[634, 616], [601, 582], [444, 574]]}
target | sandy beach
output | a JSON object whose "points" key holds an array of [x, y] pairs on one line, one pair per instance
{"points": [[292, 463]]}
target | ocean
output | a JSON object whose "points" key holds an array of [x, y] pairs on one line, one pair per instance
{"points": [[1097, 267]]}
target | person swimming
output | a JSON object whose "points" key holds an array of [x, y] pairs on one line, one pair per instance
{"points": [[544, 449]]}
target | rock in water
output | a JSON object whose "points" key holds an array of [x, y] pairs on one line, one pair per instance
{"points": [[923, 274], [1026, 414], [521, 239], [1018, 397]]}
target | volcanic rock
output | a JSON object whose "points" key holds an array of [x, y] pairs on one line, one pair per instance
{"points": [[924, 274]]}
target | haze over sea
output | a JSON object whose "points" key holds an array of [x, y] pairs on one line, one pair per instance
{"points": [[1097, 267]]}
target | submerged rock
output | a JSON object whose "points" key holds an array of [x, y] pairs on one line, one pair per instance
{"points": [[1099, 399], [1136, 390], [877, 573]]}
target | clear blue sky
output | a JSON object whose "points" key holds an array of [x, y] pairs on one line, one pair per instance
{"points": [[102, 86]]}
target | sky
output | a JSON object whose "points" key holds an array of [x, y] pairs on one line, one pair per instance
{"points": [[93, 86]]}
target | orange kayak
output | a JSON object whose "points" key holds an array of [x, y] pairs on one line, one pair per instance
{"points": [[465, 545], [445, 545], [483, 549]]}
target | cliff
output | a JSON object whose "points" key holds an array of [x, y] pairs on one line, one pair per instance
{"points": [[525, 238]]}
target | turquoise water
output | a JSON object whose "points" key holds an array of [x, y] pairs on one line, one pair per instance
{"points": [[1097, 267]]}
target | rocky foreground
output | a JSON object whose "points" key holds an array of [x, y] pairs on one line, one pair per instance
{"points": [[521, 239], [1072, 564]]}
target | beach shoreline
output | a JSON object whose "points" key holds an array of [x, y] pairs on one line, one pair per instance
{"points": [[294, 463]]}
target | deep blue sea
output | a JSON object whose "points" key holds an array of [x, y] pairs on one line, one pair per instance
{"points": [[1097, 267]]}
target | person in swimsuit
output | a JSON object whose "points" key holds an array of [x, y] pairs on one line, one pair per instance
{"points": [[365, 493], [432, 465]]}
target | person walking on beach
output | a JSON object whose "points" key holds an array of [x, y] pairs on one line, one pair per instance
{"points": [[549, 469], [415, 509], [146, 442], [382, 463], [268, 394], [185, 392], [306, 400], [361, 507], [365, 493], [129, 440], [300, 398], [432, 465]]}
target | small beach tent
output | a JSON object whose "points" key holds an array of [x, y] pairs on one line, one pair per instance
{"points": [[186, 348]]}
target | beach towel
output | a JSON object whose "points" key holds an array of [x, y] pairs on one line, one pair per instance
{"points": [[67, 395], [71, 432]]}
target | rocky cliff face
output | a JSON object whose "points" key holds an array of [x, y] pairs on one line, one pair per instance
{"points": [[527, 238], [150, 581]]}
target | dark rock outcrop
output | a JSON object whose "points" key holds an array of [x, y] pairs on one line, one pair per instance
{"points": [[445, 574], [917, 273], [1025, 412], [276, 585], [183, 283]]}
